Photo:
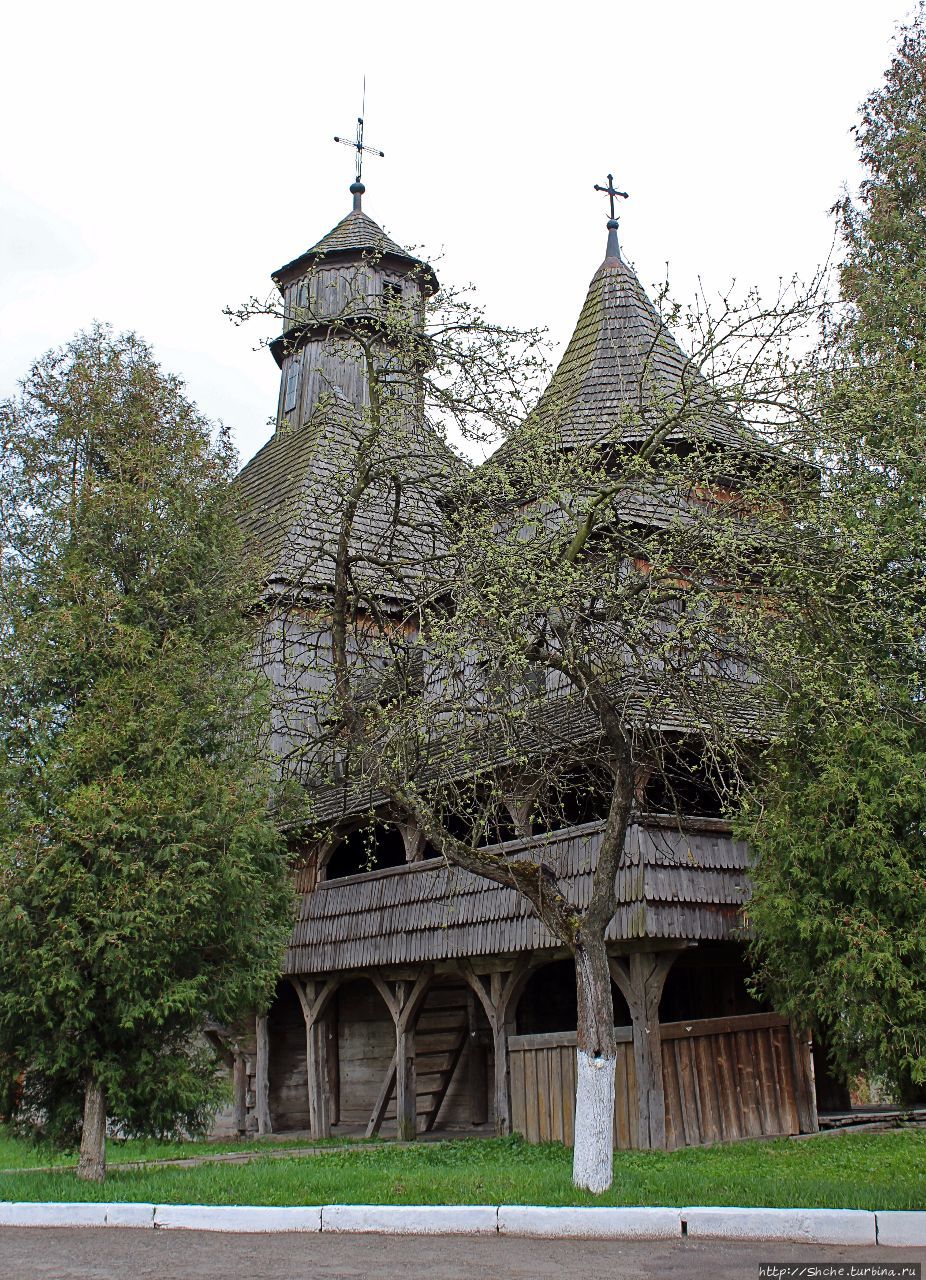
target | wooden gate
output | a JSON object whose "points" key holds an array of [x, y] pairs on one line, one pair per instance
{"points": [[724, 1078]]}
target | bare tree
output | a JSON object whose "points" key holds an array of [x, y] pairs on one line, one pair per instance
{"points": [[602, 607]]}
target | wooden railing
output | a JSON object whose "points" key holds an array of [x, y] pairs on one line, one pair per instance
{"points": [[724, 1078]]}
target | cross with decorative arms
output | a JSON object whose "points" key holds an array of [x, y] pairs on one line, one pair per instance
{"points": [[611, 191], [358, 146]]}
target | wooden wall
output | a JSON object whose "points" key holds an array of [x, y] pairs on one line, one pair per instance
{"points": [[289, 1099], [366, 1042], [724, 1079], [728, 1078], [543, 1087]]}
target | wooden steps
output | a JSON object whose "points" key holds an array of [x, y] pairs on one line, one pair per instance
{"points": [[441, 1036]]}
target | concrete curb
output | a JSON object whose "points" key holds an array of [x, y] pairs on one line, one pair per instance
{"points": [[901, 1227], [39, 1214], [394, 1219], [806, 1226], [898, 1228], [233, 1217], [608, 1224]]}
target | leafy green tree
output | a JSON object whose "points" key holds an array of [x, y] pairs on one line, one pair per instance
{"points": [[142, 886], [841, 876]]}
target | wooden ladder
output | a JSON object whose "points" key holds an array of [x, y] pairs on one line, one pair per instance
{"points": [[441, 1036]]}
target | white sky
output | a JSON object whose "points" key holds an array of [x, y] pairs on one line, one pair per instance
{"points": [[160, 160]]}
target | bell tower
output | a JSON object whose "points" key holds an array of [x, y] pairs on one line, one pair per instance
{"points": [[337, 296]]}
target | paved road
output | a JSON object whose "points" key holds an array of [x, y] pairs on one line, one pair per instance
{"points": [[89, 1253]]}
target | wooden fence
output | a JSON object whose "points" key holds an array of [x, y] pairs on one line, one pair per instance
{"points": [[724, 1078]]}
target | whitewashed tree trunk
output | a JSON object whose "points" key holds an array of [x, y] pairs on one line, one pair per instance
{"points": [[92, 1163], [593, 1154]]}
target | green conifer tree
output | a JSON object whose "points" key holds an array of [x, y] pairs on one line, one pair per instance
{"points": [[142, 886], [840, 907]]}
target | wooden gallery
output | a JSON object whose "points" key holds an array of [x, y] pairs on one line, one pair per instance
{"points": [[417, 996]]}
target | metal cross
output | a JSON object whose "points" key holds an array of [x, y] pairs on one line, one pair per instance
{"points": [[611, 191], [359, 147]]}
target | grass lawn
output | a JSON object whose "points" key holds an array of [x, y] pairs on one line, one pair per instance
{"points": [[17, 1154], [864, 1171]]}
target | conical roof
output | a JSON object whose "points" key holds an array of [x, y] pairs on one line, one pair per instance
{"points": [[623, 372], [357, 233]]}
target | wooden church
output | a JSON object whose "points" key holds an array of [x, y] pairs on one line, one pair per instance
{"points": [[418, 997]]}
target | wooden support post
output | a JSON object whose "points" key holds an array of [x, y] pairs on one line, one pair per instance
{"points": [[404, 1003], [262, 1083], [321, 1065], [406, 1095], [499, 1004], [641, 978], [500, 1048], [502, 1082], [240, 1088], [317, 1063], [334, 1064]]}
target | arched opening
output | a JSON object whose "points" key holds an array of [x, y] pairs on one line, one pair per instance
{"points": [[369, 848], [476, 814], [548, 1001]]}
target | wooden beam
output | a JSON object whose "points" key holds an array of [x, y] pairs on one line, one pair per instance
{"points": [[406, 1092], [388, 997], [382, 1101], [503, 989], [472, 979], [317, 1072], [404, 1004], [641, 977], [262, 1083], [240, 1087], [408, 1003], [314, 998]]}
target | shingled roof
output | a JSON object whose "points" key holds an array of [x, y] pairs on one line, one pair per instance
{"points": [[622, 371], [355, 234], [672, 884], [293, 489]]}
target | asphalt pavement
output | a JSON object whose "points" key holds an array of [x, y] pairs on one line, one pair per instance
{"points": [[92, 1253]]}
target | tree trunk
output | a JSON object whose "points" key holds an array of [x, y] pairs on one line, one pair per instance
{"points": [[92, 1163], [593, 1154]]}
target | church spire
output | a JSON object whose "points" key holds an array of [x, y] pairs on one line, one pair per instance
{"points": [[613, 250]]}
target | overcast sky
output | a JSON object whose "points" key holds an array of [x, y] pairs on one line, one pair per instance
{"points": [[160, 160]]}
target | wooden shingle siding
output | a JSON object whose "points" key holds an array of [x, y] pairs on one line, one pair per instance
{"points": [[678, 885]]}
